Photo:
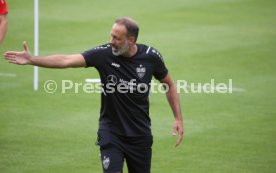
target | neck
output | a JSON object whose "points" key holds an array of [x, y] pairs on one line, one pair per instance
{"points": [[132, 51]]}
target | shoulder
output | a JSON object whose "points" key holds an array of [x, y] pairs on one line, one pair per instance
{"points": [[96, 56], [102, 49], [150, 51]]}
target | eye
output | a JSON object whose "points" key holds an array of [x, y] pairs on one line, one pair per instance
{"points": [[115, 37]]}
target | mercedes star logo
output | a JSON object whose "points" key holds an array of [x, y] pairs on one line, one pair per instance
{"points": [[111, 79]]}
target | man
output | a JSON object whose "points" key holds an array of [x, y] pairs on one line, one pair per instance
{"points": [[3, 20], [124, 125]]}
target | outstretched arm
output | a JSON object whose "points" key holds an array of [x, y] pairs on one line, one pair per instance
{"points": [[53, 61], [173, 99]]}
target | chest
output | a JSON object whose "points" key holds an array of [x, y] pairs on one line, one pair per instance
{"points": [[139, 69]]}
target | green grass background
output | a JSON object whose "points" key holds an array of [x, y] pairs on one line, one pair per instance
{"points": [[200, 40]]}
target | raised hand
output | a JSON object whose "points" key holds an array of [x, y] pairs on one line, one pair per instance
{"points": [[20, 58]]}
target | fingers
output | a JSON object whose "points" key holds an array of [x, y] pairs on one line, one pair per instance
{"points": [[11, 59], [178, 129], [179, 139], [174, 131], [11, 53], [18, 57], [15, 53], [10, 56], [175, 128]]}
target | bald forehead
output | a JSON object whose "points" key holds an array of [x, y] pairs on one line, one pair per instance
{"points": [[119, 29]]}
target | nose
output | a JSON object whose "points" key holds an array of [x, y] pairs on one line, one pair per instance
{"points": [[112, 41]]}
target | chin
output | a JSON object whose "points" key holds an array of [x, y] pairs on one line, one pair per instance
{"points": [[116, 53]]}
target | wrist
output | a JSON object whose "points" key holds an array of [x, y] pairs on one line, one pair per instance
{"points": [[31, 60], [179, 118]]}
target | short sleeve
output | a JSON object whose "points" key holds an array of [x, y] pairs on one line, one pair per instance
{"points": [[3, 7], [160, 69], [94, 57]]}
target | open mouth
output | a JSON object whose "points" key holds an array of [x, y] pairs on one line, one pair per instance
{"points": [[114, 49]]}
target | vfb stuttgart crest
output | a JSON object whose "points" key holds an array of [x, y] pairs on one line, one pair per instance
{"points": [[141, 71]]}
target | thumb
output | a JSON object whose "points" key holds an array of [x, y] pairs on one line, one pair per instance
{"points": [[25, 47], [174, 131]]}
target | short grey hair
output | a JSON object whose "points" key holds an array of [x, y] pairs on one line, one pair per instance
{"points": [[131, 26]]}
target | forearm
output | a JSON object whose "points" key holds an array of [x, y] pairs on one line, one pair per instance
{"points": [[174, 101], [52, 61]]}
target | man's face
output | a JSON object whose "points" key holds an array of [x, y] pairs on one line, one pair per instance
{"points": [[119, 40]]}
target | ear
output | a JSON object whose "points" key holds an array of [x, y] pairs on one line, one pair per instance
{"points": [[131, 40]]}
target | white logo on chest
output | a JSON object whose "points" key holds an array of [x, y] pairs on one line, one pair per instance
{"points": [[111, 79], [115, 65], [141, 71]]}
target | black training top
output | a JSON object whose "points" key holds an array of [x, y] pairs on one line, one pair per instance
{"points": [[125, 87]]}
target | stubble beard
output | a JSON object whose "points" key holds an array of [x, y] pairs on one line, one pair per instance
{"points": [[121, 50]]}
